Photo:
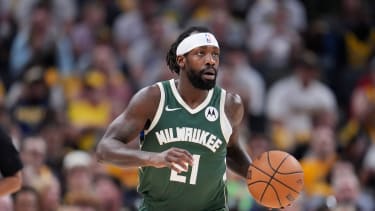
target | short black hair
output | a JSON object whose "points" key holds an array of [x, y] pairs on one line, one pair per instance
{"points": [[171, 58]]}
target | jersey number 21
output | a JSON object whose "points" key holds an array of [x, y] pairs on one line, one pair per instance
{"points": [[193, 175]]}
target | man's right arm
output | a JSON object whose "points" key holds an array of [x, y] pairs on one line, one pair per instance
{"points": [[113, 147]]}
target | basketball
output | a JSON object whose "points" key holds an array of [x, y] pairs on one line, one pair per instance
{"points": [[275, 179]]}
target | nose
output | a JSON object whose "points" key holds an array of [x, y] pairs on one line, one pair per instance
{"points": [[210, 60]]}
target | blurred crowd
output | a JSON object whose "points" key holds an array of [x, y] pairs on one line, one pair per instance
{"points": [[305, 70]]}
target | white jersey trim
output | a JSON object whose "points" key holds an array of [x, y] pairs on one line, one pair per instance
{"points": [[159, 111], [226, 127], [184, 104]]}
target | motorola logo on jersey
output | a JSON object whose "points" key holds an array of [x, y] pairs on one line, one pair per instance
{"points": [[211, 113]]}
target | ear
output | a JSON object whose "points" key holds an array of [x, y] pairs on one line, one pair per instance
{"points": [[181, 61]]}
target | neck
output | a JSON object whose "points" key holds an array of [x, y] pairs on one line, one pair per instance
{"points": [[191, 95]]}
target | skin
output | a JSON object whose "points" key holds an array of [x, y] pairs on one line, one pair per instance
{"points": [[142, 108], [12, 184]]}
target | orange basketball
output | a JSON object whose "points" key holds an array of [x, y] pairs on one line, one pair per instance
{"points": [[275, 179]]}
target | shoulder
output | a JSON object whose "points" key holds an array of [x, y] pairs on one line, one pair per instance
{"points": [[146, 100], [233, 100], [234, 107], [150, 92]]}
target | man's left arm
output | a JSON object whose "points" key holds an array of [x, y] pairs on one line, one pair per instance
{"points": [[237, 158]]}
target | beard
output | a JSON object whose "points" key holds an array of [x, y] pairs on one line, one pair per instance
{"points": [[197, 80]]}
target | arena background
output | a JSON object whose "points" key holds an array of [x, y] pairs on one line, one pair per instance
{"points": [[305, 70]]}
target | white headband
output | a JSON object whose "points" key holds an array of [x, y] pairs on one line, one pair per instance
{"points": [[196, 40]]}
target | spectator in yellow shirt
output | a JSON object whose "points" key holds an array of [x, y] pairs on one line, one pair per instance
{"points": [[90, 112], [317, 163]]}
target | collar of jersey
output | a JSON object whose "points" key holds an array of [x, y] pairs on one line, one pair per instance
{"points": [[184, 104]]}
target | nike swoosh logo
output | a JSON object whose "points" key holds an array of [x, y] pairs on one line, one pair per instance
{"points": [[171, 109]]}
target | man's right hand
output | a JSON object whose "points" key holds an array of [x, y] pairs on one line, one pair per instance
{"points": [[174, 158]]}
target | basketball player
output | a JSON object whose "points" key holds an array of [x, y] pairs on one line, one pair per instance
{"points": [[10, 166], [189, 131]]}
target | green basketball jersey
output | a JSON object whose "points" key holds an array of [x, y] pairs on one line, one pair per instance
{"points": [[203, 131]]}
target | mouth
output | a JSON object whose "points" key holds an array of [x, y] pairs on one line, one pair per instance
{"points": [[209, 74]]}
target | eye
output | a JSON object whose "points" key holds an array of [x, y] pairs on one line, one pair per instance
{"points": [[200, 53], [215, 54]]}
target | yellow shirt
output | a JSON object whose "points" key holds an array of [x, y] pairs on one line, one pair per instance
{"points": [[83, 114], [359, 51], [127, 176], [315, 173]]}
